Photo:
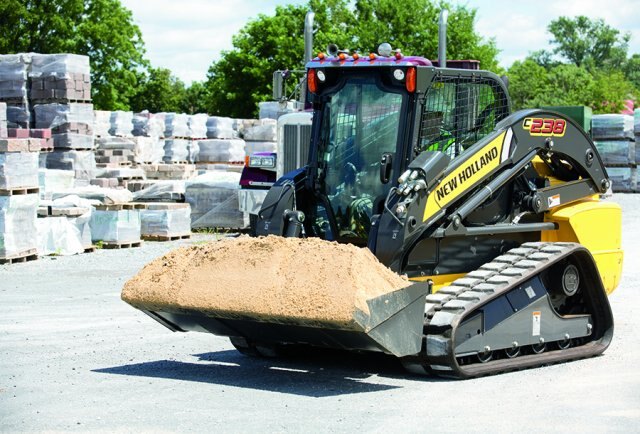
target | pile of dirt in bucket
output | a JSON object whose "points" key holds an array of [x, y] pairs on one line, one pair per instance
{"points": [[268, 278]]}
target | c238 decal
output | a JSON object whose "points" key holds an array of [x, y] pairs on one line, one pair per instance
{"points": [[546, 127]]}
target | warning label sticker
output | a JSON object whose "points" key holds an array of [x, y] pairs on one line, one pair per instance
{"points": [[537, 318], [553, 200]]}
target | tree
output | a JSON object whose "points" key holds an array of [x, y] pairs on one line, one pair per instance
{"points": [[587, 42], [243, 76], [195, 98], [159, 91], [101, 29]]}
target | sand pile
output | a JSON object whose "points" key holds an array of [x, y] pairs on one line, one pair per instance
{"points": [[268, 278]]}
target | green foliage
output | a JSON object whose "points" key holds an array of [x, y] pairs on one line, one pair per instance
{"points": [[195, 98], [243, 75], [597, 75], [158, 91], [587, 42], [102, 29]]}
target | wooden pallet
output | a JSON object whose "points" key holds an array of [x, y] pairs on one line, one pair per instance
{"points": [[90, 249], [28, 255], [116, 245], [165, 238], [19, 191], [121, 206]]}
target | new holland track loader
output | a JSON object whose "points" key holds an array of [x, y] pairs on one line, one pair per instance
{"points": [[495, 216]]}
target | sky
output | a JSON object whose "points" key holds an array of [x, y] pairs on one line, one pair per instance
{"points": [[185, 36]]}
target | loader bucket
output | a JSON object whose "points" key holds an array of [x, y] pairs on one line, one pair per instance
{"points": [[393, 324]]}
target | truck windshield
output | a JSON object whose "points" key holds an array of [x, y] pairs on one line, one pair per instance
{"points": [[360, 122]]}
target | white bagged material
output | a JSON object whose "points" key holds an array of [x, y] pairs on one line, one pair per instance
{"points": [[121, 123], [616, 152], [102, 123], [176, 150], [51, 180], [59, 65], [18, 233], [95, 194], [252, 147], [166, 220], [162, 190], [612, 126], [221, 151], [18, 170], [176, 125], [265, 132], [115, 226], [197, 126], [214, 201], [83, 163], [220, 128], [59, 236]]}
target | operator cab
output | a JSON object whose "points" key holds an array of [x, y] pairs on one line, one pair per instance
{"points": [[374, 115]]}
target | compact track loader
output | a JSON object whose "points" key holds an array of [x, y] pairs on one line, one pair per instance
{"points": [[495, 217]]}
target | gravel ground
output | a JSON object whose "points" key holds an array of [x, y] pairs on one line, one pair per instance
{"points": [[73, 357]]}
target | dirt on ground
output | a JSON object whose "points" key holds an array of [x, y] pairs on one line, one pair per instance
{"points": [[269, 278]]}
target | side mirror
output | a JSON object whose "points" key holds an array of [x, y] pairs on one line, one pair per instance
{"points": [[386, 165]]}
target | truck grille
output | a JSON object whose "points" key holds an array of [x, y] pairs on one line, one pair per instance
{"points": [[296, 144]]}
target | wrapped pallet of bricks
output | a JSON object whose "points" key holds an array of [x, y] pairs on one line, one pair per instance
{"points": [[261, 137], [14, 70], [18, 230], [71, 124], [614, 138], [102, 123], [636, 132], [121, 124], [61, 78], [116, 226], [81, 163], [197, 126], [176, 125], [166, 221], [64, 226], [163, 171], [3, 119], [114, 152], [53, 180], [148, 132], [220, 128], [177, 150], [213, 197], [158, 191], [149, 124], [274, 109], [216, 151]]}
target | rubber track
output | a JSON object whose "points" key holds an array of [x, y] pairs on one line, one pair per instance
{"points": [[445, 309]]}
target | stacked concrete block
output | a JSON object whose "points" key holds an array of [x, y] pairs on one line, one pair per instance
{"points": [[221, 151], [114, 152], [613, 135], [157, 190], [60, 78], [149, 124], [71, 124], [214, 201], [18, 230], [121, 124], [197, 126], [81, 163], [176, 125], [165, 221], [102, 123], [220, 128], [177, 150], [14, 86], [52, 180], [261, 137], [148, 131], [116, 226], [64, 226], [169, 171], [3, 119]]}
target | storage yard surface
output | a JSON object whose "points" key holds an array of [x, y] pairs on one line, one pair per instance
{"points": [[74, 357]]}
